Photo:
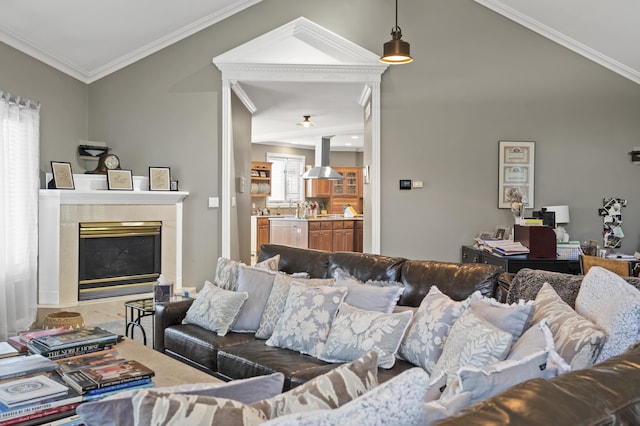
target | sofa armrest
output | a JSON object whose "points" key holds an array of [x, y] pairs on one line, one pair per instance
{"points": [[168, 314]]}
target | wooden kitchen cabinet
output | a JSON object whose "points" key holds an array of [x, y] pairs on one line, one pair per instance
{"points": [[351, 185], [336, 204], [262, 233], [343, 235], [260, 179], [358, 237], [318, 188], [321, 235]]}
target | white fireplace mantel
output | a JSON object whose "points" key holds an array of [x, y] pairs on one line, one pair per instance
{"points": [[60, 211]]}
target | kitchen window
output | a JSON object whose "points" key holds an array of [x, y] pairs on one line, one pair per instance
{"points": [[287, 185]]}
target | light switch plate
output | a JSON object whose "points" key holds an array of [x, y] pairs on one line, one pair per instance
{"points": [[214, 202]]}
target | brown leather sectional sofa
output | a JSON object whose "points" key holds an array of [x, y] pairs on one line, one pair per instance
{"points": [[237, 356]]}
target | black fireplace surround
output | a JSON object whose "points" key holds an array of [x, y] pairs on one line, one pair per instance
{"points": [[118, 258]]}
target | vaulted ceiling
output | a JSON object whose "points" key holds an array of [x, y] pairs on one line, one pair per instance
{"points": [[89, 40]]}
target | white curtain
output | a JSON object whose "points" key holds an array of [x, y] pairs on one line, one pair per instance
{"points": [[19, 184]]}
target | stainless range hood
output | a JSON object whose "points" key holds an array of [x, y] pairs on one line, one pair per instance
{"points": [[322, 170]]}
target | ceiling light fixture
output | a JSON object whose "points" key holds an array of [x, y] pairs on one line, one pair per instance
{"points": [[396, 51], [306, 122]]}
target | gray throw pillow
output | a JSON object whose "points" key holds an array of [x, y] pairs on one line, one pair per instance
{"points": [[152, 408], [513, 318], [399, 401], [531, 357], [577, 340], [612, 304], [278, 298], [306, 319], [327, 391], [215, 309], [379, 296], [355, 332], [227, 273], [117, 410], [424, 340], [472, 342], [257, 283]]}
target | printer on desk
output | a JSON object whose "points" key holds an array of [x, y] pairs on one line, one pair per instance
{"points": [[541, 240]]}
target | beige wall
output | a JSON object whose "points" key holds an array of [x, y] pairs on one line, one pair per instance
{"points": [[63, 110], [477, 78]]}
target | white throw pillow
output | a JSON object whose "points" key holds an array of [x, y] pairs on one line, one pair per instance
{"points": [[379, 296], [614, 305]]}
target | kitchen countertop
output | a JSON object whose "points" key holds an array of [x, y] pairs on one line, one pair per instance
{"points": [[312, 219]]}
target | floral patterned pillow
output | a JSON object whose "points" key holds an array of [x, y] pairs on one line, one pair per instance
{"points": [[215, 309], [472, 342], [578, 340], [227, 271], [278, 298], [306, 320], [355, 332], [425, 338]]}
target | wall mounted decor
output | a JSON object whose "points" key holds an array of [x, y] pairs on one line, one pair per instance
{"points": [[516, 174], [611, 213]]}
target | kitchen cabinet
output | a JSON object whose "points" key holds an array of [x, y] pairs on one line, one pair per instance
{"points": [[318, 188], [290, 232], [262, 233], [336, 205], [321, 235], [358, 236], [260, 179], [343, 235], [351, 185]]}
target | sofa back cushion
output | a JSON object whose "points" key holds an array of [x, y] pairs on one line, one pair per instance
{"points": [[365, 266], [293, 259], [457, 281]]}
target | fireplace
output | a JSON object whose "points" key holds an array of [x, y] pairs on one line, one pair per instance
{"points": [[118, 258]]}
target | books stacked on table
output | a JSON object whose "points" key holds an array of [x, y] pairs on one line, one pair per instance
{"points": [[71, 343], [34, 392], [97, 374], [503, 247]]}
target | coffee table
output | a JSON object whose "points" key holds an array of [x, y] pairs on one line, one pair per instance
{"points": [[169, 371]]}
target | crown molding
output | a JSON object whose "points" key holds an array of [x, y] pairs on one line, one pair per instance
{"points": [[562, 39], [89, 76], [243, 96]]}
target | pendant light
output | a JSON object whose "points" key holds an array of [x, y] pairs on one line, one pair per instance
{"points": [[306, 122], [396, 51]]}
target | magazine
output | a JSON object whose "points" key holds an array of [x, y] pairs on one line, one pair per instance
{"points": [[72, 338], [7, 351], [29, 335], [29, 390], [53, 354], [23, 365], [120, 371], [91, 359]]}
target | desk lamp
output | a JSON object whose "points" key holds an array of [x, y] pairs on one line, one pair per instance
{"points": [[562, 218]]}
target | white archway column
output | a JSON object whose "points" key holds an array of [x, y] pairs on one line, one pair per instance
{"points": [[225, 180]]}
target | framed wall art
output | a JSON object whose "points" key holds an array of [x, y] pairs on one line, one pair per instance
{"points": [[516, 174], [159, 179], [121, 180], [62, 175]]}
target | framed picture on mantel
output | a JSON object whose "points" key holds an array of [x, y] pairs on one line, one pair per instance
{"points": [[159, 179], [121, 180], [516, 173]]}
